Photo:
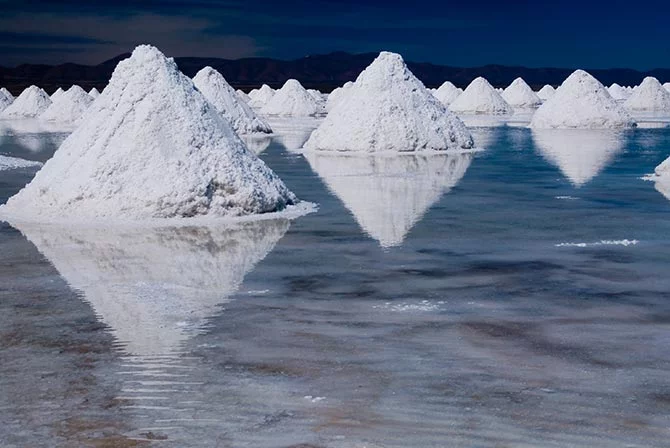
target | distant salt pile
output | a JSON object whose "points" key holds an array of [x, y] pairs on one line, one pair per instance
{"points": [[649, 96], [666, 86], [13, 163], [5, 101], [68, 107], [293, 100], [150, 147], [546, 92], [243, 95], [618, 93], [261, 96], [389, 109], [519, 94], [447, 93], [581, 102], [94, 93], [228, 103], [57, 94], [480, 98], [337, 94], [31, 103], [662, 178], [7, 93]]}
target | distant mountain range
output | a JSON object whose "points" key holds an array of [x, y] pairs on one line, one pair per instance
{"points": [[323, 72]]}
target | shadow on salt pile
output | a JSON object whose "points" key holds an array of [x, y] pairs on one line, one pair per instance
{"points": [[388, 194], [580, 154]]}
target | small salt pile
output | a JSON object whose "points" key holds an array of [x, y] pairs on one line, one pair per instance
{"points": [[337, 94], [261, 96], [32, 102], [94, 93], [618, 93], [292, 100], [447, 93], [546, 92], [480, 98], [649, 96], [519, 94], [69, 107]]}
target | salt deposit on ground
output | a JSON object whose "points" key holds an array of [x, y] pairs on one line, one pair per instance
{"points": [[228, 103], [389, 109], [31, 103], [388, 195], [519, 94], [151, 146], [546, 92], [94, 93], [618, 93], [294, 101], [11, 163], [261, 96], [68, 107], [7, 93], [337, 94], [581, 102], [447, 93], [480, 98], [649, 96]]}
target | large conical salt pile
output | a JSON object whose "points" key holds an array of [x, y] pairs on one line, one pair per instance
{"points": [[7, 93], [662, 178], [546, 92], [519, 94], [151, 146], [581, 102], [94, 93], [68, 107], [293, 100], [480, 98], [229, 104], [649, 96], [618, 93], [57, 94], [5, 101], [389, 109], [388, 195], [262, 96], [31, 103], [447, 93], [337, 94]]}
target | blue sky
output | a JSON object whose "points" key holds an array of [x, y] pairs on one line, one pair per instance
{"points": [[467, 33]]}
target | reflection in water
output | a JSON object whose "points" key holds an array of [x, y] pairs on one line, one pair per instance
{"points": [[293, 133], [580, 154], [155, 286], [256, 143], [663, 185], [387, 194]]}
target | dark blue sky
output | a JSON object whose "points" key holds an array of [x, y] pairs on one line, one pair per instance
{"points": [[467, 33]]}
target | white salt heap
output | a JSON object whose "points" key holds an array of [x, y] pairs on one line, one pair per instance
{"points": [[666, 86], [519, 94], [337, 94], [649, 96], [662, 178], [68, 107], [228, 103], [480, 98], [241, 94], [294, 101], [94, 93], [57, 94], [581, 102], [31, 103], [389, 109], [618, 93], [7, 93], [5, 101], [546, 92], [151, 146], [447, 93], [261, 96]]}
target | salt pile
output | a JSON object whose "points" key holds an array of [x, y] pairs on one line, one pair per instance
{"points": [[581, 102], [388, 195], [649, 96], [31, 103], [57, 94], [294, 101], [5, 101], [228, 103], [151, 146], [618, 93], [242, 94], [480, 98], [447, 93], [546, 92], [519, 94], [12, 163], [337, 94], [68, 107], [261, 96], [7, 93], [666, 86], [389, 109], [662, 178], [94, 93]]}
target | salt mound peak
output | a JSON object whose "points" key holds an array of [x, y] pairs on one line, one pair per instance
{"points": [[5, 101], [546, 92], [519, 94], [480, 98], [7, 93], [447, 93], [261, 96], [94, 93], [649, 96], [68, 107], [581, 102], [618, 93], [151, 146], [389, 109], [337, 94], [31, 103], [294, 101], [57, 94], [228, 103]]}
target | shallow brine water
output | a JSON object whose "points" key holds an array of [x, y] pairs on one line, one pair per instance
{"points": [[517, 296]]}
